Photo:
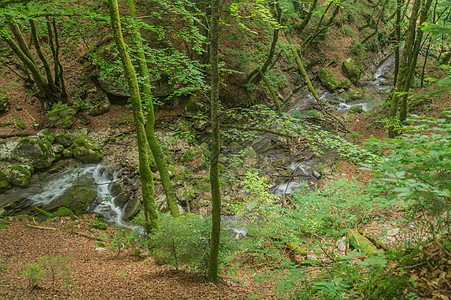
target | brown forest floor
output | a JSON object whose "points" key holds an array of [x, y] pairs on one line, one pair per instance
{"points": [[95, 274]]}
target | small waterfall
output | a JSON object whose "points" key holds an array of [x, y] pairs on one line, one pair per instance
{"points": [[103, 177], [57, 186]]}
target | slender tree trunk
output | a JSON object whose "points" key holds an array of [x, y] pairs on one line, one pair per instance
{"points": [[150, 127], [256, 76], [303, 71], [150, 213], [41, 56], [399, 4], [271, 91], [30, 64], [318, 31], [215, 146], [413, 58], [407, 65], [59, 80], [307, 18]]}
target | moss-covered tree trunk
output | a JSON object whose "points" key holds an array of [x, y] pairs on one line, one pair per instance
{"points": [[215, 146], [151, 217], [150, 127], [407, 66]]}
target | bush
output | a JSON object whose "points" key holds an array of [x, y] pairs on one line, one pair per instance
{"points": [[51, 267], [184, 242], [358, 50], [416, 168]]}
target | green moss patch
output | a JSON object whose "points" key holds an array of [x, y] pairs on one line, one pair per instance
{"points": [[86, 150], [328, 79]]}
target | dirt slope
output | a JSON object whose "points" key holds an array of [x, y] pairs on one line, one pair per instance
{"points": [[95, 274]]}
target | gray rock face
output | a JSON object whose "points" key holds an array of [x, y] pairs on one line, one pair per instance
{"points": [[35, 152], [250, 157], [97, 101], [64, 139], [162, 205], [114, 86]]}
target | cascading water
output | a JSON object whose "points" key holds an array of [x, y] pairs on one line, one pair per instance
{"points": [[103, 181], [103, 177]]}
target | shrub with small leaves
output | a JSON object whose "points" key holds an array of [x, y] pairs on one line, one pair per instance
{"points": [[61, 114]]}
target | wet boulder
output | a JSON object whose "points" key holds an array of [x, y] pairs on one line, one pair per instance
{"points": [[33, 151], [79, 197], [20, 175]]}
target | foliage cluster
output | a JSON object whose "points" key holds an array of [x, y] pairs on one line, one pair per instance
{"points": [[184, 242], [61, 114], [48, 267], [416, 167]]}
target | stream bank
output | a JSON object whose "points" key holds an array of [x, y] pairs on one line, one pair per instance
{"points": [[286, 163]]}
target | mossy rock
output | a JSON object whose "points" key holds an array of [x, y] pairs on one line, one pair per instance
{"points": [[359, 240], [389, 287], [193, 108], [356, 94], [79, 197], [64, 139], [4, 182], [352, 70], [345, 96], [345, 84], [86, 150], [61, 212], [356, 109], [3, 101], [64, 212], [132, 209], [250, 157], [328, 79], [20, 175], [34, 152], [67, 153], [45, 134]]}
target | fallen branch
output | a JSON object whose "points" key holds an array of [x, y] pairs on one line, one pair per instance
{"points": [[376, 242], [41, 227], [15, 134], [88, 236]]}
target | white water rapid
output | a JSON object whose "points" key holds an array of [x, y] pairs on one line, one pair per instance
{"points": [[103, 177]]}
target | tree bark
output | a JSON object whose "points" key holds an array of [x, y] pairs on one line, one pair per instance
{"points": [[150, 127], [150, 213], [215, 146]]}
